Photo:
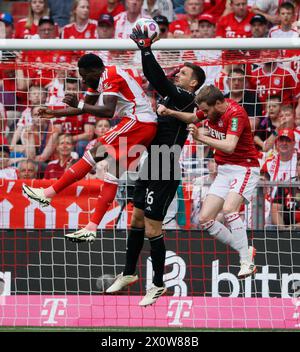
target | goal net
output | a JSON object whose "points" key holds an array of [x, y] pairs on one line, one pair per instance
{"points": [[47, 281]]}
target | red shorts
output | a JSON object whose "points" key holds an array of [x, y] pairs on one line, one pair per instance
{"points": [[127, 141]]}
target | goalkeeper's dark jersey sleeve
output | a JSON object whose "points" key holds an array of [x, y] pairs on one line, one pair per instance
{"points": [[170, 130], [157, 78]]}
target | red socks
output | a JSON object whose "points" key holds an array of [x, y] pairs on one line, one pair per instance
{"points": [[75, 173], [105, 199]]}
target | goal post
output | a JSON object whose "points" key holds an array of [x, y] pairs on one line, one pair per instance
{"points": [[46, 281]]}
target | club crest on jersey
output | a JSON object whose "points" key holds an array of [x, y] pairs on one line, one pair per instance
{"points": [[220, 123], [234, 124], [87, 34], [277, 81]]}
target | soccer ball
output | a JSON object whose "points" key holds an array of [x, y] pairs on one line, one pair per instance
{"points": [[148, 23]]}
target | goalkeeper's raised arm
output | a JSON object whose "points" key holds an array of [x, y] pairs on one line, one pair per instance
{"points": [[151, 68]]}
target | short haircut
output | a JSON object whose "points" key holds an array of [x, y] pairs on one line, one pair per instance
{"points": [[287, 108], [198, 74], [236, 70], [273, 98], [28, 161], [287, 6], [209, 95], [90, 61], [66, 135], [72, 80]]}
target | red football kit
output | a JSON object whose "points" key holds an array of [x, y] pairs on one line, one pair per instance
{"points": [[234, 121]]}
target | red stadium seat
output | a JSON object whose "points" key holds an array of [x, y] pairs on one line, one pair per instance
{"points": [[96, 7]]}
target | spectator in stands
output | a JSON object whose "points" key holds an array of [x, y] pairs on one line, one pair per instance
{"points": [[65, 157], [42, 76], [102, 126], [272, 78], [237, 82], [237, 23], [8, 20], [267, 8], [286, 204], [81, 26], [163, 25], [182, 27], [259, 26], [152, 8], [282, 165], [27, 136], [113, 8], [27, 170], [81, 128], [267, 130], [60, 11], [207, 26], [6, 172], [27, 27], [286, 19], [287, 120], [106, 28], [124, 21]]}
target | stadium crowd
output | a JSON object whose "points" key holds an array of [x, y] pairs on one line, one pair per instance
{"points": [[268, 88]]}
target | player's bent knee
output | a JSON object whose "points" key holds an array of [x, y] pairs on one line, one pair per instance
{"points": [[153, 228], [229, 209], [137, 219], [204, 218], [99, 152]]}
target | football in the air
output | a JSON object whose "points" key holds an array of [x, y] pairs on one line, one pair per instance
{"points": [[148, 23]]}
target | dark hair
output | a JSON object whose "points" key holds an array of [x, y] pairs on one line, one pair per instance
{"points": [[198, 74], [209, 95], [5, 149], [287, 6], [101, 119], [46, 19], [89, 61], [274, 97], [236, 70]]}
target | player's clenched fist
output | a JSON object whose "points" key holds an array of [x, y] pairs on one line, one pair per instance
{"points": [[45, 113], [162, 110], [194, 131], [71, 100]]}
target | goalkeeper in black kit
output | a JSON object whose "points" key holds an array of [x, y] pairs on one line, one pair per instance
{"points": [[160, 174]]}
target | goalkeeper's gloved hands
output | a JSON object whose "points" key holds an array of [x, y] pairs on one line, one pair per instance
{"points": [[141, 38]]}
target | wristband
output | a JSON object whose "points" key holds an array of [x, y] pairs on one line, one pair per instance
{"points": [[274, 133], [80, 104]]}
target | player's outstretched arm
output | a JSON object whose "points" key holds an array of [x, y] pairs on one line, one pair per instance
{"points": [[151, 68], [106, 110], [47, 113], [186, 117]]}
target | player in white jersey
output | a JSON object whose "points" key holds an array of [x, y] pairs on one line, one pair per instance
{"points": [[117, 92]]}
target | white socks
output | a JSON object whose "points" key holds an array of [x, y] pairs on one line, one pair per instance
{"points": [[236, 238]]}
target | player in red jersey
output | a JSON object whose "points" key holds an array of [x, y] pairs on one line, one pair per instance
{"points": [[118, 93], [237, 23], [228, 131]]}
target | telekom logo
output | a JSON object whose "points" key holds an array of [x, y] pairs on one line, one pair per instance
{"points": [[55, 305], [183, 310]]}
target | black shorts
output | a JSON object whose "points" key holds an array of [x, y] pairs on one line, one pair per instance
{"points": [[154, 197]]}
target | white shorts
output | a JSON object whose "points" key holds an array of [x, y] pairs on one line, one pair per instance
{"points": [[235, 178]]}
